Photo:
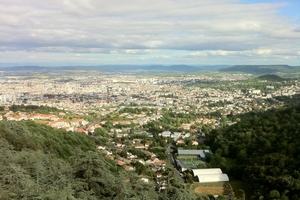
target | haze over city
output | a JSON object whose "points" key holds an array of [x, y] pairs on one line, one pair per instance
{"points": [[90, 32]]}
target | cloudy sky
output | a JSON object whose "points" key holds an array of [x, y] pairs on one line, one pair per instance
{"points": [[198, 32]]}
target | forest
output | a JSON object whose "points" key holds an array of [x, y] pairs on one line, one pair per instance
{"points": [[265, 146], [33, 108], [38, 162]]}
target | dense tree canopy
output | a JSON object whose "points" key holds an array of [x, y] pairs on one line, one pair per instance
{"points": [[38, 162], [266, 147], [31, 108]]}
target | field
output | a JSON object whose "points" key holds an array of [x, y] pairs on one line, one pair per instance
{"points": [[192, 162], [220, 188], [209, 188]]}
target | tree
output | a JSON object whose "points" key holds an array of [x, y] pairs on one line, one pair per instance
{"points": [[32, 174], [265, 153], [101, 132], [274, 194], [92, 173]]}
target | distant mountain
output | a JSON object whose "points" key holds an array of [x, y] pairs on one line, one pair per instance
{"points": [[173, 68], [121, 68], [154, 68], [187, 68], [24, 68], [271, 77], [261, 69]]}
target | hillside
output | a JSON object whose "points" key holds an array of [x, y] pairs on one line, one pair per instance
{"points": [[38, 162], [271, 77], [131, 69], [261, 69], [266, 149]]}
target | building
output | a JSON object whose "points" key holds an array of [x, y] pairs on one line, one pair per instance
{"points": [[200, 153], [209, 175], [210, 178], [196, 172]]}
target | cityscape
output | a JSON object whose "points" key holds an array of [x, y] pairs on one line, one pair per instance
{"points": [[124, 110], [149, 100], [103, 95]]}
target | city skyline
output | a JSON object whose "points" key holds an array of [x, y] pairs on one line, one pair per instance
{"points": [[60, 33]]}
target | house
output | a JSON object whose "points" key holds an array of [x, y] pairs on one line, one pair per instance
{"points": [[61, 113], [81, 130], [17, 118], [108, 153], [91, 129], [158, 163], [129, 168], [100, 147], [115, 123], [131, 156], [158, 175], [59, 124], [165, 134], [126, 161], [119, 144], [186, 126], [186, 135], [78, 122], [45, 117], [145, 180], [141, 161], [147, 144], [181, 141], [139, 146], [103, 122], [176, 135], [119, 162], [193, 130]]}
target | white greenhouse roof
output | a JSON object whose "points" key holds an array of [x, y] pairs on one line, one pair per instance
{"points": [[209, 178], [206, 171]]}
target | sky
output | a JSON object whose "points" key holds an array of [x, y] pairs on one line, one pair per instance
{"points": [[168, 32]]}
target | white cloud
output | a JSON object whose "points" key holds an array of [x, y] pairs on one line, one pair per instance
{"points": [[198, 54], [223, 53], [206, 28]]}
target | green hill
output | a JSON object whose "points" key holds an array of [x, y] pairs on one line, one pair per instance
{"points": [[266, 149], [38, 162], [271, 77], [261, 69]]}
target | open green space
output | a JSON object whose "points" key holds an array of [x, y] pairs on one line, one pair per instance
{"points": [[221, 188], [209, 188]]}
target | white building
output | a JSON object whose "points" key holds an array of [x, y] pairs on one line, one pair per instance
{"points": [[196, 172], [209, 178], [209, 175]]}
